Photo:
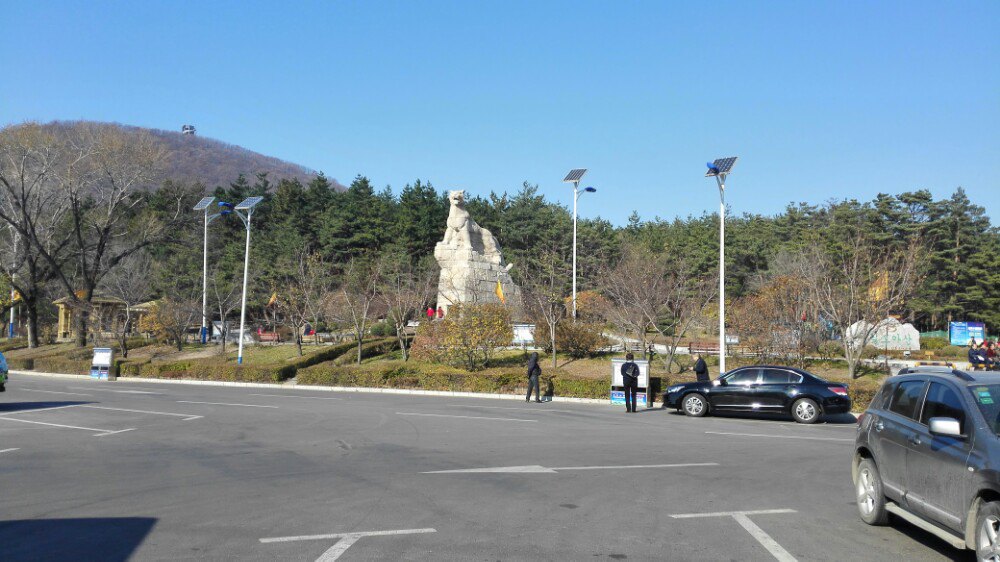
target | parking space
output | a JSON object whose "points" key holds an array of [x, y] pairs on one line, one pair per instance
{"points": [[298, 474]]}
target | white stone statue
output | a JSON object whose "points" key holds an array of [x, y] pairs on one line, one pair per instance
{"points": [[464, 232], [471, 262]]}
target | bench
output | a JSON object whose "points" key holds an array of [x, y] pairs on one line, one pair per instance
{"points": [[269, 337], [703, 347]]}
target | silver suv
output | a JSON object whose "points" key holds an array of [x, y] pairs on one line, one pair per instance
{"points": [[928, 452]]}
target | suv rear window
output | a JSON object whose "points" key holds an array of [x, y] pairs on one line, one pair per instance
{"points": [[906, 398]]}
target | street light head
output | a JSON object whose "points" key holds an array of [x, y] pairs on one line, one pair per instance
{"points": [[590, 189], [226, 205], [721, 166]]}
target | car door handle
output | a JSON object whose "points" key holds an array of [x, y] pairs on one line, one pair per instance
{"points": [[915, 440], [879, 426]]}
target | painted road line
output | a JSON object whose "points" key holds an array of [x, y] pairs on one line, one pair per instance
{"points": [[680, 465], [225, 404], [96, 430], [115, 391], [538, 469], [54, 392], [463, 417], [539, 409], [11, 450], [743, 518], [295, 396], [780, 436], [33, 410], [186, 417], [344, 540], [114, 432]]}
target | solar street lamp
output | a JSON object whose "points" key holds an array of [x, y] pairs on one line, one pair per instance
{"points": [[719, 169], [247, 205], [204, 205], [574, 176]]}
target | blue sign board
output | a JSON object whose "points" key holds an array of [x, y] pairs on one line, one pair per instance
{"points": [[959, 333], [618, 397]]}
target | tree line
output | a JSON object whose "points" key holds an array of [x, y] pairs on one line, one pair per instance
{"points": [[88, 212]]}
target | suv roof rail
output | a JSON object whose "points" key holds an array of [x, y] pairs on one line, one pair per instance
{"points": [[932, 369]]}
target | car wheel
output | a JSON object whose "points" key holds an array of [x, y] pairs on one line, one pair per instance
{"points": [[988, 532], [805, 410], [870, 497], [695, 405], [2, 388]]}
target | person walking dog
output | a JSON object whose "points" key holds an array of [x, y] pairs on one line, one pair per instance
{"points": [[630, 378], [534, 371]]}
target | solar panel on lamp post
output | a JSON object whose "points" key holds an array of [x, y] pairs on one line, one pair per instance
{"points": [[203, 205], [574, 176], [246, 205], [719, 169]]}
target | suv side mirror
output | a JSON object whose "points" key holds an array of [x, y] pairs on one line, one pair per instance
{"points": [[946, 426], [720, 382]]}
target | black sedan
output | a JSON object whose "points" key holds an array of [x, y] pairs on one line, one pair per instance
{"points": [[762, 388]]}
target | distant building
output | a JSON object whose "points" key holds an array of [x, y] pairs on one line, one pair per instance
{"points": [[187, 129], [106, 316]]}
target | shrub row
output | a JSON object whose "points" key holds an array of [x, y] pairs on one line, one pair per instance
{"points": [[412, 375], [207, 370], [12, 344], [368, 350]]}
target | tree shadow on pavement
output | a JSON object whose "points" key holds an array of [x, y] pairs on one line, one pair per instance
{"points": [[13, 407], [111, 539]]}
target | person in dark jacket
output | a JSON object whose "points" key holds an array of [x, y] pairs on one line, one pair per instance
{"points": [[534, 371], [701, 369], [977, 357], [630, 378]]}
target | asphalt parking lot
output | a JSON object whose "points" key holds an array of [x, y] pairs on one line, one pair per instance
{"points": [[143, 471]]}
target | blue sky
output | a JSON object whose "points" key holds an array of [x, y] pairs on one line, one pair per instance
{"points": [[819, 100]]}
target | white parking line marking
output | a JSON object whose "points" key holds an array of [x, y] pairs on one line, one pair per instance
{"points": [[225, 404], [780, 436], [186, 417], [538, 469], [10, 450], [114, 432], [115, 391], [539, 409], [345, 540], [463, 417], [99, 431], [32, 410], [743, 518], [55, 392], [296, 396]]}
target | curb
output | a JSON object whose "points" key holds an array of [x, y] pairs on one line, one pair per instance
{"points": [[364, 390]]}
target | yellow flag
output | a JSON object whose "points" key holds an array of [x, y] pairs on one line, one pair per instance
{"points": [[274, 299], [499, 292], [879, 288]]}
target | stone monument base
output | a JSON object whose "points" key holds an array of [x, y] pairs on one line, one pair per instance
{"points": [[469, 277]]}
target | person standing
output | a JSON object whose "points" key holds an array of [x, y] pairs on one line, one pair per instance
{"points": [[534, 371], [700, 369], [630, 378], [3, 373]]}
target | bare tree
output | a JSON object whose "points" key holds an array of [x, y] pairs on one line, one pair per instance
{"points": [[105, 179], [225, 294], [356, 298], [856, 285], [301, 292], [404, 289], [130, 283], [647, 292], [33, 209], [544, 293]]}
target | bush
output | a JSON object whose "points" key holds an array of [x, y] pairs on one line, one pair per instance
{"points": [[580, 339], [327, 354], [20, 364], [862, 391], [368, 350], [214, 371], [831, 350], [58, 364], [383, 330], [933, 344]]}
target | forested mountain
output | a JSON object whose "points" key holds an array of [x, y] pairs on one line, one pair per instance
{"points": [[210, 162]]}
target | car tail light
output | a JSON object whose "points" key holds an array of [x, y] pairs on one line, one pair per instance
{"points": [[841, 390]]}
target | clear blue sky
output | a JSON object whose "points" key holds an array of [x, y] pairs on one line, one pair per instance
{"points": [[820, 100]]}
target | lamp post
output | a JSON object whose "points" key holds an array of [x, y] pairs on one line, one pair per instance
{"points": [[719, 169], [204, 205], [246, 205], [574, 176]]}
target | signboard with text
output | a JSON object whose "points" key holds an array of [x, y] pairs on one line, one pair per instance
{"points": [[960, 333]]}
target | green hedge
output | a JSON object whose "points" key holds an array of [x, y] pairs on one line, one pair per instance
{"points": [[328, 354], [20, 364], [209, 370], [368, 350], [413, 375], [61, 364]]}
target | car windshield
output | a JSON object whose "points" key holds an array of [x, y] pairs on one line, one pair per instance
{"points": [[987, 397]]}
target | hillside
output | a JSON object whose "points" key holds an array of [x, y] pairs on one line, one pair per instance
{"points": [[192, 158]]}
